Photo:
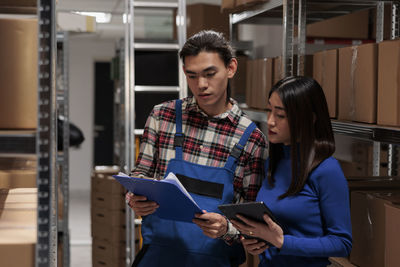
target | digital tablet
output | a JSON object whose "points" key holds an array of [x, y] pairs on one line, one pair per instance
{"points": [[251, 210]]}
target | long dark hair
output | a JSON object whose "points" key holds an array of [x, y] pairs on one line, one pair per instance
{"points": [[311, 134], [209, 41]]}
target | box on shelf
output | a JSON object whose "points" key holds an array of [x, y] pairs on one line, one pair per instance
{"points": [[263, 82], [18, 68], [392, 235], [352, 26], [358, 83], [103, 181], [17, 247], [368, 216], [238, 82], [389, 83], [340, 262], [325, 72], [206, 17]]}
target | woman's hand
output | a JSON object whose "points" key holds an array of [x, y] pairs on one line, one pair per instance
{"points": [[214, 225], [253, 246], [268, 231], [140, 205]]}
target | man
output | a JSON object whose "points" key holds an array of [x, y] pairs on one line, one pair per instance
{"points": [[214, 149]]}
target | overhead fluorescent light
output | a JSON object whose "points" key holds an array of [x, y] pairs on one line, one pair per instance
{"points": [[101, 17]]}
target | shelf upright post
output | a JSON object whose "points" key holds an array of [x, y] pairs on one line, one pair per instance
{"points": [[393, 151], [46, 246], [301, 38], [395, 32], [129, 108], [65, 168], [288, 34], [181, 30]]}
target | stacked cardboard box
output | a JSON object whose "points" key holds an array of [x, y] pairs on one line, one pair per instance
{"points": [[18, 79], [206, 17], [358, 83], [361, 163], [18, 172], [373, 214], [108, 218], [259, 82], [18, 217], [325, 72], [389, 83]]}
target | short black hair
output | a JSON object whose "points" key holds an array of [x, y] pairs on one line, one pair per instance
{"points": [[311, 134], [208, 41]]}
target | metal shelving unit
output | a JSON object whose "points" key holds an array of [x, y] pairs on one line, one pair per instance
{"points": [[46, 246], [62, 86], [42, 141], [126, 132], [287, 13]]}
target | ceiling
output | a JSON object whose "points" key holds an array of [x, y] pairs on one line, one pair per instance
{"points": [[114, 29]]}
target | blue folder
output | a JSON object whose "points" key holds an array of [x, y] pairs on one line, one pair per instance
{"points": [[174, 204]]}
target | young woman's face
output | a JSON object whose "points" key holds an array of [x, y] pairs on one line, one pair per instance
{"points": [[207, 78], [278, 125]]}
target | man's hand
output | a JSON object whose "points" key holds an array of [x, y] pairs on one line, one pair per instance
{"points": [[214, 225], [140, 205]]}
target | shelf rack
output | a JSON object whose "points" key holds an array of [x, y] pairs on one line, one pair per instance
{"points": [[125, 91], [62, 88], [286, 13]]}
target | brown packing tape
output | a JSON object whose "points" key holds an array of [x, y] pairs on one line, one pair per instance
{"points": [[354, 57]]}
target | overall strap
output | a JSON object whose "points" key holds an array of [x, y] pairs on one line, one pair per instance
{"points": [[178, 139], [238, 148]]}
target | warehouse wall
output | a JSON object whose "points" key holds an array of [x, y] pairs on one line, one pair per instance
{"points": [[83, 54]]}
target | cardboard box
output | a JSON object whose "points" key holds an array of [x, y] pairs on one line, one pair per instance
{"points": [[261, 82], [368, 227], [102, 180], [227, 5], [358, 83], [18, 68], [17, 179], [352, 26], [325, 72], [18, 3], [238, 82], [249, 82], [17, 247], [392, 236], [389, 83], [206, 17], [340, 262], [109, 217], [108, 201], [102, 232], [278, 70]]}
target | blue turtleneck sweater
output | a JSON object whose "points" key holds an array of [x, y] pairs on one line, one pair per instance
{"points": [[316, 221]]}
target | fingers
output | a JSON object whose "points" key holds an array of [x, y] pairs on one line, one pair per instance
{"points": [[253, 246], [213, 225], [140, 205]]}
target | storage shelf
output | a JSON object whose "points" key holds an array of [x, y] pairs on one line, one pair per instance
{"points": [[156, 46], [20, 142], [317, 10], [146, 88], [371, 132], [147, 4]]}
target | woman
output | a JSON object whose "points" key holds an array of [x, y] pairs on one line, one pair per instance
{"points": [[305, 186]]}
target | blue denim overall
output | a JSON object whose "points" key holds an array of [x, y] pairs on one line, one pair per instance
{"points": [[182, 244]]}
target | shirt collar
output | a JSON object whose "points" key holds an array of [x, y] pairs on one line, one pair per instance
{"points": [[233, 114]]}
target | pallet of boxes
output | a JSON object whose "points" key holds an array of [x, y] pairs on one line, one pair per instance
{"points": [[108, 218], [18, 211]]}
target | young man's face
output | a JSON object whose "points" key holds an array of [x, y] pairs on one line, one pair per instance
{"points": [[207, 78]]}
